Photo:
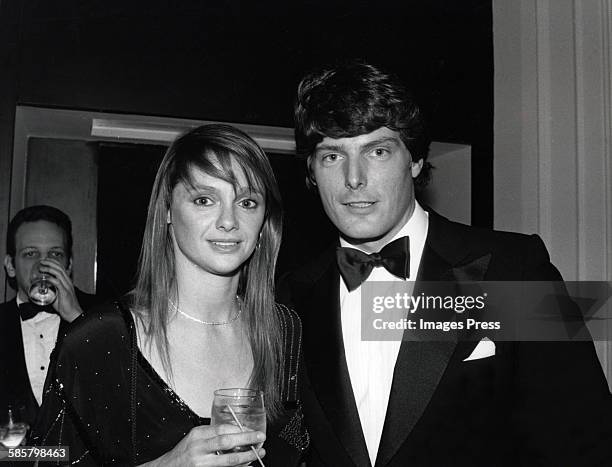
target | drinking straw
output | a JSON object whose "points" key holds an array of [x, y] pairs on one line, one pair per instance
{"points": [[242, 429]]}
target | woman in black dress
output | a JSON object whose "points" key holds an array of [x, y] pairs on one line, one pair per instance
{"points": [[132, 383]]}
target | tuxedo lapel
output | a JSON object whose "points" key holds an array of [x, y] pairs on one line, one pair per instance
{"points": [[16, 382], [15, 364], [326, 362], [421, 365], [418, 370]]}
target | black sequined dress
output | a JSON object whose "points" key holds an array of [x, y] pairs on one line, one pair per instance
{"points": [[104, 400]]}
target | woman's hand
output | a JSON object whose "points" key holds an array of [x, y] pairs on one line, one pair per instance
{"points": [[199, 448]]}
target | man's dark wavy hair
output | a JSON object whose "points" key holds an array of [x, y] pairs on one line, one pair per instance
{"points": [[34, 214], [354, 98]]}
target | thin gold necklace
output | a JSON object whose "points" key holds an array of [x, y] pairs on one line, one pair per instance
{"points": [[209, 323]]}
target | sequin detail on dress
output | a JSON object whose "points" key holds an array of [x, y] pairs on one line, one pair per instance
{"points": [[294, 432]]}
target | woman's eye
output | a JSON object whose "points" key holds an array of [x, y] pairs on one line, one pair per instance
{"points": [[30, 254], [202, 201], [248, 203], [56, 254]]}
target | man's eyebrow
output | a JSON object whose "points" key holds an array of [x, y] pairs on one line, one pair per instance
{"points": [[370, 144], [329, 147], [379, 141]]}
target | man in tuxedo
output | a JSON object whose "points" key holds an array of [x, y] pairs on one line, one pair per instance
{"points": [[28, 332], [420, 403]]}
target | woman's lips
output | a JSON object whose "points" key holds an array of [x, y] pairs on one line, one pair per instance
{"points": [[225, 245]]}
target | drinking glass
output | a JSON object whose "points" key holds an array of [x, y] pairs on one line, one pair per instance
{"points": [[42, 292], [12, 430], [243, 405]]}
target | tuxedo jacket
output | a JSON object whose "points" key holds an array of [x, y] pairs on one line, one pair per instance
{"points": [[531, 403], [15, 388]]}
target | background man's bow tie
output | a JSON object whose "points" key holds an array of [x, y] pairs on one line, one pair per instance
{"points": [[27, 310], [355, 266]]}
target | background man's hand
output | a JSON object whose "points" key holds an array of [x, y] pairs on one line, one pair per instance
{"points": [[66, 304]]}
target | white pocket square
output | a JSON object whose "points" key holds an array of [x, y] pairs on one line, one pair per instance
{"points": [[485, 348]]}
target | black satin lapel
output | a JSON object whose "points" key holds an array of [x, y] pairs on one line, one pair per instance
{"points": [[475, 270], [20, 393], [433, 267], [10, 333], [418, 370], [326, 363], [20, 369]]}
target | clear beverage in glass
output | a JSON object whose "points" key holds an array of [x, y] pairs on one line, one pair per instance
{"points": [[42, 292], [12, 431], [247, 406]]}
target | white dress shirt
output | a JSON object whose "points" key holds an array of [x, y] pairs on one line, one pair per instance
{"points": [[39, 335], [371, 363]]}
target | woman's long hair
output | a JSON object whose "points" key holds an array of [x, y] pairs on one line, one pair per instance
{"points": [[212, 148]]}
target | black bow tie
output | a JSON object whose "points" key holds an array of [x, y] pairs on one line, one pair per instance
{"points": [[355, 266], [27, 310]]}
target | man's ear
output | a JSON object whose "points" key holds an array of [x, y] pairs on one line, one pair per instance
{"points": [[9, 266], [416, 167], [168, 217], [69, 268]]}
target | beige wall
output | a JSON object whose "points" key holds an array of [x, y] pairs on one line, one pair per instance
{"points": [[450, 191], [64, 174], [553, 132]]}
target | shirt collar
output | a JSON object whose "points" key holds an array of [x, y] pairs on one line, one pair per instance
{"points": [[43, 315]]}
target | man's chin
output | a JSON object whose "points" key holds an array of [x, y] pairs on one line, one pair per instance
{"points": [[359, 236]]}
